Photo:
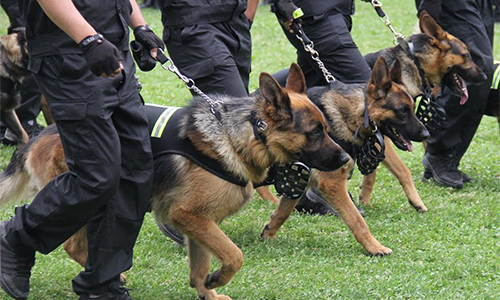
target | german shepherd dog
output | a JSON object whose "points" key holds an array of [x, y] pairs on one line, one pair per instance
{"points": [[445, 60], [13, 57], [390, 108], [187, 196]]}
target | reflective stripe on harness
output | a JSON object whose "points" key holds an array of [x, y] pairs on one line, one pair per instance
{"points": [[162, 121], [496, 78]]}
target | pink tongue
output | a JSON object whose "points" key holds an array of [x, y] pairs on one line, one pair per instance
{"points": [[408, 144], [465, 95]]}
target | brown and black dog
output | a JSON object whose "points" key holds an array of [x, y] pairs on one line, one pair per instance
{"points": [[390, 109], [13, 59], [445, 60], [186, 195]]}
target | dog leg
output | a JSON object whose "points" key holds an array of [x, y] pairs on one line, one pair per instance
{"points": [[265, 193], [397, 167], [77, 248], [206, 233], [44, 106], [11, 121], [279, 216], [333, 186], [367, 184], [199, 264]]}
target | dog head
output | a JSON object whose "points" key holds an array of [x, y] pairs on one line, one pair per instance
{"points": [[296, 127], [448, 60], [392, 108], [13, 49]]}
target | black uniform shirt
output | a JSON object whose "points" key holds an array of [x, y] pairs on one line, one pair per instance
{"points": [[182, 13], [108, 17], [319, 7]]}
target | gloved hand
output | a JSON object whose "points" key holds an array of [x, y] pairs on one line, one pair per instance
{"points": [[103, 58], [144, 35], [287, 12]]}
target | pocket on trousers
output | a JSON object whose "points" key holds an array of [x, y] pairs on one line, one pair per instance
{"points": [[199, 69], [68, 110]]}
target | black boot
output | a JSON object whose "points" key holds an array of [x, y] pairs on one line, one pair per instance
{"points": [[313, 203], [15, 267], [172, 233], [122, 294], [443, 169]]}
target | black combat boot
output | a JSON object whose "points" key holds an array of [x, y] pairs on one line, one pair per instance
{"points": [[15, 267], [443, 169]]}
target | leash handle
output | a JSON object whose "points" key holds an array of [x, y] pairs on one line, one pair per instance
{"points": [[309, 47], [168, 64], [377, 5]]}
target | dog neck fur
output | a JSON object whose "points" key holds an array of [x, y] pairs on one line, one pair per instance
{"points": [[232, 140], [343, 102]]}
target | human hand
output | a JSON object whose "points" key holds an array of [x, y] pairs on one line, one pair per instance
{"points": [[103, 58]]}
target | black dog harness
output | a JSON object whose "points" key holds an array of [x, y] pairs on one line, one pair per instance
{"points": [[164, 128]]}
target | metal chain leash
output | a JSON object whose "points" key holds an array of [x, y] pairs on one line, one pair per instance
{"points": [[309, 47], [398, 37], [168, 64]]}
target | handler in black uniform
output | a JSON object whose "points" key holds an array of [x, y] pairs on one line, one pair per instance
{"points": [[88, 79], [209, 41], [328, 25], [472, 22], [29, 108]]}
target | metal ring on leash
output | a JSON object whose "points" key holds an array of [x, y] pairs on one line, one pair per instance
{"points": [[377, 5], [167, 64], [309, 47]]}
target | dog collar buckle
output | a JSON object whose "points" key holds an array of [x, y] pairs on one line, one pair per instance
{"points": [[261, 125]]}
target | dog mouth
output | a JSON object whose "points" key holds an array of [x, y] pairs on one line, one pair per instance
{"points": [[458, 86], [397, 138]]}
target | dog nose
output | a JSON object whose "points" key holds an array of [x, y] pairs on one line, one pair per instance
{"points": [[344, 158]]}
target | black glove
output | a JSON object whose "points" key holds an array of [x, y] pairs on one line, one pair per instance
{"points": [[142, 56], [287, 12], [144, 35], [102, 57]]}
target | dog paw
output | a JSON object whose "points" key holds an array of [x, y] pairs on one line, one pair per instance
{"points": [[266, 233], [381, 251], [212, 295], [419, 206], [123, 279], [212, 280]]}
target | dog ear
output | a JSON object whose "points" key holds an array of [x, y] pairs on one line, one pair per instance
{"points": [[296, 82], [433, 31], [396, 75], [277, 104], [380, 78]]}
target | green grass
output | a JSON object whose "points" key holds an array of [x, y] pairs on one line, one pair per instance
{"points": [[451, 252]]}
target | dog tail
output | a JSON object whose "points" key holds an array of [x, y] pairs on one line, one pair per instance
{"points": [[14, 180]]}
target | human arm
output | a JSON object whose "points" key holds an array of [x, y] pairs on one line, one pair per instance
{"points": [[102, 57], [251, 9], [142, 32]]}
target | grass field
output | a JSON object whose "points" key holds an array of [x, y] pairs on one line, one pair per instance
{"points": [[451, 252]]}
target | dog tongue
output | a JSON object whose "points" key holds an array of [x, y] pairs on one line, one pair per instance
{"points": [[465, 95], [409, 145]]}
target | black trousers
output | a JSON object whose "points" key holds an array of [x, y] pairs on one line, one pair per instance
{"points": [[29, 109], [104, 131], [332, 39], [472, 22], [217, 56]]}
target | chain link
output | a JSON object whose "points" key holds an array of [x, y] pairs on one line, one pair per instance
{"points": [[385, 19], [189, 82], [315, 56]]}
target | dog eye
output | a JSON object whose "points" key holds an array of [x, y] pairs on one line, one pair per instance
{"points": [[403, 110]]}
